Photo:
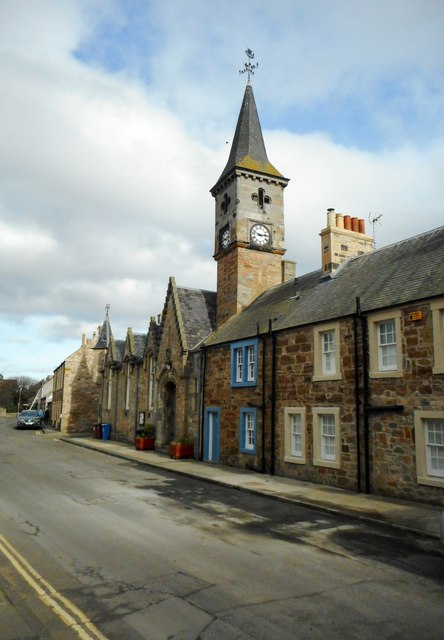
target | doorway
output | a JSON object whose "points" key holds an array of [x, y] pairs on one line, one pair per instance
{"points": [[170, 414], [212, 434]]}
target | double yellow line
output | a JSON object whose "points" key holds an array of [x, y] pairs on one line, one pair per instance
{"points": [[68, 613]]}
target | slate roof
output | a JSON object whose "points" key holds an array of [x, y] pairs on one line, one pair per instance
{"points": [[407, 271], [119, 351], [198, 309], [139, 344], [248, 148]]}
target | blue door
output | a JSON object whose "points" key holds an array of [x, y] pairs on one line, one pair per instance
{"points": [[211, 435]]}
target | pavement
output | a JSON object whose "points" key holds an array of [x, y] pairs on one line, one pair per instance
{"points": [[414, 517]]}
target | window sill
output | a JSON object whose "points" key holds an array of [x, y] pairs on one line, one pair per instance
{"points": [[432, 481], [321, 378], [331, 464], [294, 460], [386, 374]]}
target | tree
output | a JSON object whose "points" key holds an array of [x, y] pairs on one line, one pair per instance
{"points": [[17, 390]]}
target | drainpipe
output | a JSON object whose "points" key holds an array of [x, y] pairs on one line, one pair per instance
{"points": [[356, 316], [203, 362], [273, 396], [365, 376], [262, 339]]}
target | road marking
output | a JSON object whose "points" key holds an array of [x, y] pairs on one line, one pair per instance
{"points": [[70, 615]]}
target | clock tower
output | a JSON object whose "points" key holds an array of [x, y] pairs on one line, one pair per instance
{"points": [[249, 229]]}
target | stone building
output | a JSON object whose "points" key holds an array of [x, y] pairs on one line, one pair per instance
{"points": [[153, 379], [77, 383], [123, 385], [334, 377]]}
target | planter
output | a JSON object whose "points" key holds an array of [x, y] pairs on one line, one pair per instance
{"points": [[143, 444], [181, 451]]}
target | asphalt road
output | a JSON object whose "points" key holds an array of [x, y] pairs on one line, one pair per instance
{"points": [[96, 547]]}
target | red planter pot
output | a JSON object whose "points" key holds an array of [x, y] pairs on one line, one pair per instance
{"points": [[181, 451], [143, 444]]}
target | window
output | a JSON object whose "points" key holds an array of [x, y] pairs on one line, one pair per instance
{"points": [[110, 389], [128, 385], [438, 335], [326, 352], [387, 345], [326, 437], [248, 419], [434, 432], [429, 439], [151, 381], [384, 337], [294, 424], [244, 363]]}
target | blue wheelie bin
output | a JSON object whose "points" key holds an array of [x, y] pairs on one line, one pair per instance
{"points": [[106, 431]]}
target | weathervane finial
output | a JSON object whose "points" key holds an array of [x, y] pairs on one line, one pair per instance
{"points": [[248, 67]]}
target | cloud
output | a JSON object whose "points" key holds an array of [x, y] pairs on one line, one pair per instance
{"points": [[113, 126]]}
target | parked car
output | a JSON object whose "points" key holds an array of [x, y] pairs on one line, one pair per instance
{"points": [[441, 526], [29, 419]]}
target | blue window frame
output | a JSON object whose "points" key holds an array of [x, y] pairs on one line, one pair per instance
{"points": [[248, 430], [244, 363]]}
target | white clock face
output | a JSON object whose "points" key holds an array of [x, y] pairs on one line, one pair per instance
{"points": [[260, 235], [225, 238]]}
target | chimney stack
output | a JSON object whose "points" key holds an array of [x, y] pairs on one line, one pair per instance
{"points": [[343, 237]]}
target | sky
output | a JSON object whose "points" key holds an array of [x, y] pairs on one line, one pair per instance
{"points": [[116, 119]]}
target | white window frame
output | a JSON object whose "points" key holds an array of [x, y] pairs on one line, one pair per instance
{"points": [[424, 474], [248, 428], [437, 309], [291, 414], [319, 369], [377, 370], [127, 386], [386, 334], [250, 353], [239, 364], [110, 389], [151, 382], [320, 458]]}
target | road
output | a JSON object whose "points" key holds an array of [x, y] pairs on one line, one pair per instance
{"points": [[92, 546]]}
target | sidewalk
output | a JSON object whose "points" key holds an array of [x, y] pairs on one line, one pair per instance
{"points": [[415, 517]]}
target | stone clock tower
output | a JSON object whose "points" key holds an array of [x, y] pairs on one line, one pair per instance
{"points": [[249, 232]]}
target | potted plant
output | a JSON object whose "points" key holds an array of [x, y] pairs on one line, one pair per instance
{"points": [[181, 448], [145, 438]]}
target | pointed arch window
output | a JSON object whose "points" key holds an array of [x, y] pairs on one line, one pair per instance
{"points": [[127, 386]]}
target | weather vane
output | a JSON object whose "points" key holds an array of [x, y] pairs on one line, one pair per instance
{"points": [[248, 67]]}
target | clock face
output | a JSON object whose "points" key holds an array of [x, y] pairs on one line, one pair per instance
{"points": [[260, 235], [225, 238]]}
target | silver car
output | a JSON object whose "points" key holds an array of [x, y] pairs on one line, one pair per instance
{"points": [[29, 419]]}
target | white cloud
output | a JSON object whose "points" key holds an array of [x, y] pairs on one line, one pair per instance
{"points": [[105, 176]]}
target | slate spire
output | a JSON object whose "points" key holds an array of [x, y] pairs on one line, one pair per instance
{"points": [[248, 148], [105, 332]]}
